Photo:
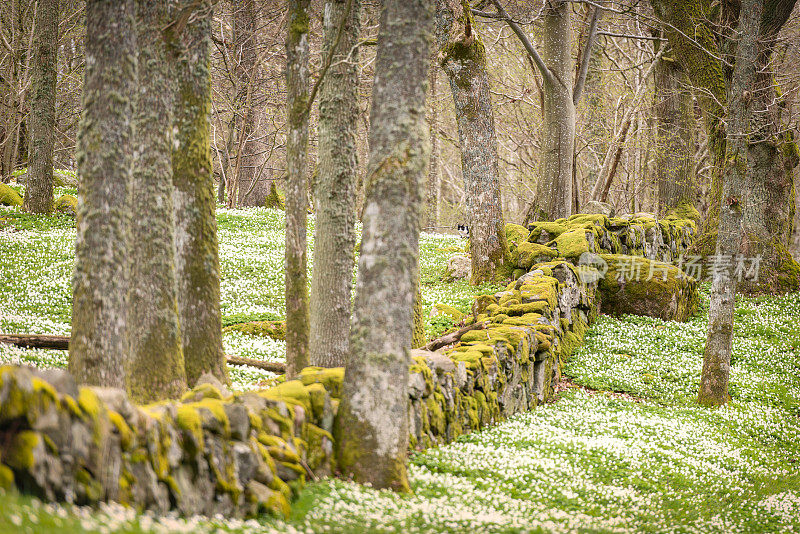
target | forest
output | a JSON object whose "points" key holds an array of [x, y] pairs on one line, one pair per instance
{"points": [[399, 266]]}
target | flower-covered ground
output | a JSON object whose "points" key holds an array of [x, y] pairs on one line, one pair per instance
{"points": [[37, 254], [624, 448]]}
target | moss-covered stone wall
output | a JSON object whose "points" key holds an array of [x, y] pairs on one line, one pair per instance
{"points": [[241, 454]]}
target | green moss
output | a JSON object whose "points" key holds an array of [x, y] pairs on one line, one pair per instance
{"points": [[331, 379], [67, 204], [89, 403], [6, 478], [9, 196], [529, 254], [124, 431], [450, 311], [597, 219], [571, 244], [271, 329], [686, 211], [291, 391], [203, 391], [515, 236], [19, 454], [188, 420], [274, 199]]}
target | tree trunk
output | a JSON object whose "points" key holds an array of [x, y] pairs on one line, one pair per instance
{"points": [[99, 341], [297, 306], [334, 188], [717, 355], [251, 190], [42, 121], [197, 256], [464, 61], [675, 137], [554, 187], [432, 200], [769, 199], [371, 431], [156, 367], [767, 205]]}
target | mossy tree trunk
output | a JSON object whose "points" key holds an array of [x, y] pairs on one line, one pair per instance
{"points": [[42, 120], [768, 205], [251, 189], [675, 127], [335, 187], [463, 58], [297, 305], [769, 201], [98, 344], [155, 370], [717, 355], [197, 255], [554, 194], [371, 431]]}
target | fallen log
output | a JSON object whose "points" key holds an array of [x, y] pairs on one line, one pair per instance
{"points": [[454, 337], [274, 367], [44, 341], [36, 341]]}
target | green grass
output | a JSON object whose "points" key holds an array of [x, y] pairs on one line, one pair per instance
{"points": [[37, 255], [644, 460]]}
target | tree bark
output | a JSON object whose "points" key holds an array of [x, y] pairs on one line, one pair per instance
{"points": [[717, 355], [197, 255], [554, 187], [464, 61], [371, 431], [99, 343], [433, 187], [768, 203], [42, 121], [675, 136], [335, 187], [155, 370], [297, 97], [251, 190]]}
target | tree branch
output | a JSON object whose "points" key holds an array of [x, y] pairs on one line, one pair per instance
{"points": [[584, 69], [313, 94], [523, 37]]}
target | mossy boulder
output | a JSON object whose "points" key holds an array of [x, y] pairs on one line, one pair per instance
{"points": [[66, 204], [639, 286], [572, 243], [544, 231], [9, 196], [515, 235], [528, 254]]}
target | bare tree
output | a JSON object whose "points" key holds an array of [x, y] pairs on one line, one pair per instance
{"points": [[155, 370], [99, 343], [297, 102], [334, 188], [463, 58], [197, 256], [372, 423], [717, 355], [42, 121]]}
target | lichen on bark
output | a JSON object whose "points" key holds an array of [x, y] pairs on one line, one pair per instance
{"points": [[371, 431], [197, 254]]}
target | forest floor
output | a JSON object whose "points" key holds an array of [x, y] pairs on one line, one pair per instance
{"points": [[623, 448]]}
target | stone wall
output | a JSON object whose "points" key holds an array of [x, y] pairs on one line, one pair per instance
{"points": [[239, 455]]}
